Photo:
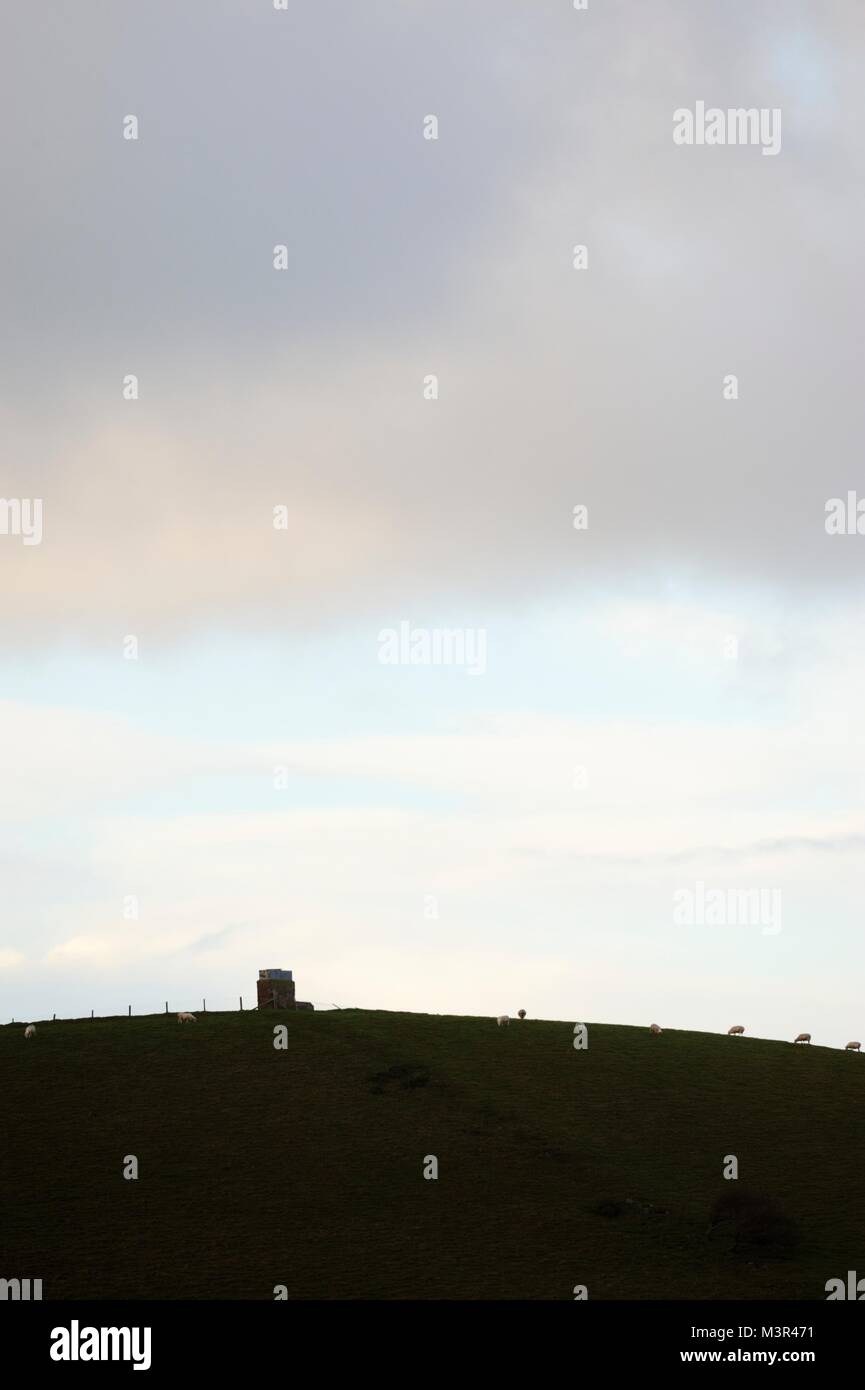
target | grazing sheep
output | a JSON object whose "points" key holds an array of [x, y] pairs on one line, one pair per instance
{"points": [[852, 1047], [503, 1020], [186, 1018], [803, 1037], [653, 1028], [31, 1029], [732, 1032], [521, 1014]]}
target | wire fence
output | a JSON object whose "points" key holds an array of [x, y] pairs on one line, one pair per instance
{"points": [[206, 1006]]}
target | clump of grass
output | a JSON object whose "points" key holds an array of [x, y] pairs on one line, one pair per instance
{"points": [[609, 1208]]}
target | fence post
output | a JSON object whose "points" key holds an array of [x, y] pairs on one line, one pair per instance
{"points": [[130, 1010], [91, 1013], [241, 1003], [166, 1006], [53, 1018], [204, 1006]]}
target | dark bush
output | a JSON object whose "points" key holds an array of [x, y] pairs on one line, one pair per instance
{"points": [[758, 1223], [404, 1074]]}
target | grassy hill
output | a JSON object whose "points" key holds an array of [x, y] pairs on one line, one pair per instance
{"points": [[304, 1167]]}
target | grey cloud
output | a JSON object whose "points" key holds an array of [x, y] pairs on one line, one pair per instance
{"points": [[211, 941], [556, 386]]}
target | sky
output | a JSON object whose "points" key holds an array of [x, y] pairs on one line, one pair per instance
{"points": [[208, 768]]}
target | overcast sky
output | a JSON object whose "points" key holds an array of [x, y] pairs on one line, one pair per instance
{"points": [[669, 697]]}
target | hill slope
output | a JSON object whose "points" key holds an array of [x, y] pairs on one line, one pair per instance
{"points": [[304, 1167]]}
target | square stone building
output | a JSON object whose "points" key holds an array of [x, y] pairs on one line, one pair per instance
{"points": [[276, 991]]}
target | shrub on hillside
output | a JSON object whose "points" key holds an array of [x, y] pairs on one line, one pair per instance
{"points": [[406, 1075], [758, 1223]]}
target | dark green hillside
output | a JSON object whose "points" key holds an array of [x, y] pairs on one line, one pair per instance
{"points": [[304, 1167]]}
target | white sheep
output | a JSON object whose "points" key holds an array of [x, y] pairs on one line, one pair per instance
{"points": [[30, 1030], [732, 1032], [653, 1028], [186, 1018], [803, 1037], [503, 1020], [853, 1047]]}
